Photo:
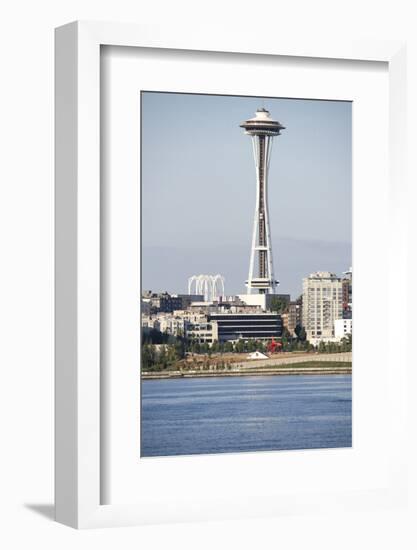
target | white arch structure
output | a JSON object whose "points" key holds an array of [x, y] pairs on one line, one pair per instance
{"points": [[210, 286]]}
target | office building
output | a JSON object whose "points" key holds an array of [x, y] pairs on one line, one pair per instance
{"points": [[245, 326]]}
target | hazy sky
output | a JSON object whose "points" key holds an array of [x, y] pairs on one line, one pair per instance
{"points": [[198, 189]]}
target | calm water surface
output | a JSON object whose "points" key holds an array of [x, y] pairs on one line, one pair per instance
{"points": [[259, 413]]}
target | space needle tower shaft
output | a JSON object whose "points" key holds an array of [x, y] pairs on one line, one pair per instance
{"points": [[262, 129]]}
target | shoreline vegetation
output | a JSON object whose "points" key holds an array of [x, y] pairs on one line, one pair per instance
{"points": [[302, 366], [162, 351], [167, 356]]}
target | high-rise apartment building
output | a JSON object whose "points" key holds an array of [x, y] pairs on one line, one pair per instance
{"points": [[347, 294], [322, 305]]}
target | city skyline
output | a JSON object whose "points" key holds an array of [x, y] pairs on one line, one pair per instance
{"points": [[198, 190]]}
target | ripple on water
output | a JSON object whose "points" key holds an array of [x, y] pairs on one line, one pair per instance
{"points": [[194, 416]]}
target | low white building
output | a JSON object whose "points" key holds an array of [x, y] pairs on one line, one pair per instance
{"points": [[342, 327], [149, 322], [202, 332], [172, 324], [257, 355], [262, 301], [164, 322]]}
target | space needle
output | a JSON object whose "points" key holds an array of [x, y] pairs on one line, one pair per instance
{"points": [[262, 129]]}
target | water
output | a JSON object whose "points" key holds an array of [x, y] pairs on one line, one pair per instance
{"points": [[259, 413]]}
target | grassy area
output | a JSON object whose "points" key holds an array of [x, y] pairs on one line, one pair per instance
{"points": [[313, 364], [306, 367]]}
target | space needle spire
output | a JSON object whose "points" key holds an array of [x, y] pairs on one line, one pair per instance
{"points": [[262, 129]]}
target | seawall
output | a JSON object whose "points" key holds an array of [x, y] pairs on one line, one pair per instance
{"points": [[308, 368]]}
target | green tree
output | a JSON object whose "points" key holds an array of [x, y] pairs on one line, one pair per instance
{"points": [[251, 345], [215, 346], [163, 358], [240, 346], [180, 348], [172, 355], [346, 343], [279, 305], [148, 357], [301, 334], [228, 347]]}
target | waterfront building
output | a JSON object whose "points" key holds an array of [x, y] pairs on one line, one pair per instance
{"points": [[204, 307], [284, 318], [164, 322], [168, 303], [200, 331], [293, 317], [172, 324], [245, 326], [163, 302], [230, 306], [290, 312], [347, 294], [188, 323], [149, 322], [342, 327], [322, 305], [262, 129], [185, 300], [206, 327], [153, 301]]}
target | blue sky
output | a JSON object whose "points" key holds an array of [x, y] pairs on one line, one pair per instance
{"points": [[198, 189]]}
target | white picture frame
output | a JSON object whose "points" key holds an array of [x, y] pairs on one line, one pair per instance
{"points": [[78, 320]]}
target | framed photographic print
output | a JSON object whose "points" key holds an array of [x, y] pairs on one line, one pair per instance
{"points": [[224, 211], [224, 367]]}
